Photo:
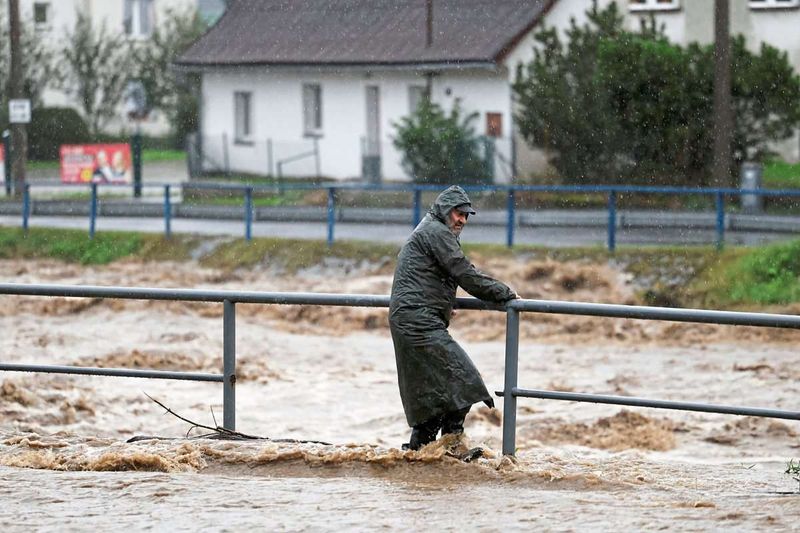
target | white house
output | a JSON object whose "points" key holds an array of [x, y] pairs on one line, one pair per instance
{"points": [[136, 19], [314, 87], [282, 77]]}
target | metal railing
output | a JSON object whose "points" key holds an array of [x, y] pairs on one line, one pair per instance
{"points": [[510, 392], [415, 191]]}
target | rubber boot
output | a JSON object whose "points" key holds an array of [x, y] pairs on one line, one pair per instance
{"points": [[423, 434], [453, 422]]}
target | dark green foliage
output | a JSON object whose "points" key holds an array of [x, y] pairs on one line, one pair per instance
{"points": [[611, 105], [439, 147], [51, 127], [766, 95], [186, 118]]}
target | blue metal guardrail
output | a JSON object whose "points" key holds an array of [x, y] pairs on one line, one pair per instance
{"points": [[611, 191], [510, 392]]}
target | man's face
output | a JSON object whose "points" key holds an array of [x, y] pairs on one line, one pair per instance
{"points": [[456, 221]]}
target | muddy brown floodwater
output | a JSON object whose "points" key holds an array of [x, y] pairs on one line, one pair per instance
{"points": [[328, 375]]}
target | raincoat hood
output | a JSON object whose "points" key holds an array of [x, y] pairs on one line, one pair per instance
{"points": [[449, 198]]}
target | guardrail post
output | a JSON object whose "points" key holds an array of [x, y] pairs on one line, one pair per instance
{"points": [[720, 220], [167, 213], [93, 211], [511, 205], [7, 161], [511, 370], [248, 213], [612, 221], [417, 206], [136, 156], [331, 214], [229, 365], [26, 206]]}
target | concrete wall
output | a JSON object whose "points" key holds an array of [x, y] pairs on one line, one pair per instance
{"points": [[277, 111]]}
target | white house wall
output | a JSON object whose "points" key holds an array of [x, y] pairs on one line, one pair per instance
{"points": [[277, 117]]}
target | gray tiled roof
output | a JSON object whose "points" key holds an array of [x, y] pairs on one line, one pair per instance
{"points": [[363, 32]]}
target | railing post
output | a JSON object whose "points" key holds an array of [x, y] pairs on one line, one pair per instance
{"points": [[509, 399], [331, 214], [720, 220], [229, 365], [93, 211], [612, 221], [248, 213], [511, 204], [167, 213], [417, 206], [26, 206], [7, 161]]}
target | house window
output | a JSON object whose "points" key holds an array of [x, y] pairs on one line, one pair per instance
{"points": [[773, 4], [494, 124], [312, 109], [243, 119], [416, 94], [654, 5], [138, 17], [41, 14]]}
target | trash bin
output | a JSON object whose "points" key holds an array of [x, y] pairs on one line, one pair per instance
{"points": [[750, 178]]}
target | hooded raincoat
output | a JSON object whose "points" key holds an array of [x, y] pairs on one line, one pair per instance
{"points": [[435, 375]]}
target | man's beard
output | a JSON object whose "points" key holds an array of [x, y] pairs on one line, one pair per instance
{"points": [[456, 228]]}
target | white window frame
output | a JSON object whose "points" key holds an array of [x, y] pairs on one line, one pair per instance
{"points": [[134, 15], [774, 4], [654, 5], [243, 117], [48, 11], [312, 109]]}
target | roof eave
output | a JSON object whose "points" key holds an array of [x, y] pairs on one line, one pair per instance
{"points": [[512, 43], [473, 64]]}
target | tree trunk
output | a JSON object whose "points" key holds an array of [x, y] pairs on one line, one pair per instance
{"points": [[723, 108]]}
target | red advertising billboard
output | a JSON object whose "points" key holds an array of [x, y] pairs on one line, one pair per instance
{"points": [[96, 163]]}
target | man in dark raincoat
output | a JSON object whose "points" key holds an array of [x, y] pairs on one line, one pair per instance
{"points": [[438, 381]]}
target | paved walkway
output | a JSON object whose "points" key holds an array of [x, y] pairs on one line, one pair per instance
{"points": [[397, 233]]}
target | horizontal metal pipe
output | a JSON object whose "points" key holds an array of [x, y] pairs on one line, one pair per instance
{"points": [[143, 293], [196, 295], [369, 300], [658, 404], [658, 313], [117, 372]]}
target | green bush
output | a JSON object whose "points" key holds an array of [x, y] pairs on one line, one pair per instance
{"points": [[768, 275], [51, 127], [441, 148]]}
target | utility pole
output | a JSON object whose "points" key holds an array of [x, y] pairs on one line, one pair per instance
{"points": [[723, 107], [428, 44], [19, 137]]}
